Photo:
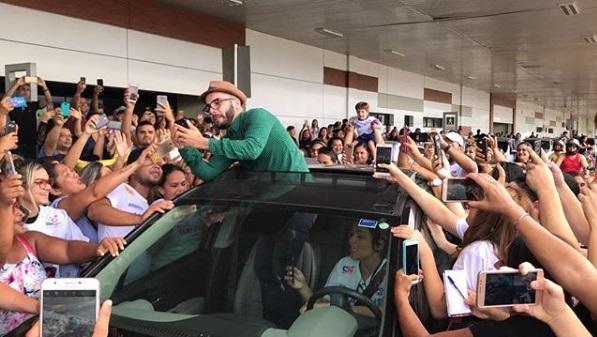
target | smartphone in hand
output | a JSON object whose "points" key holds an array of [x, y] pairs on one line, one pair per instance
{"points": [[383, 155], [505, 288], [65, 109], [460, 190], [67, 300], [133, 93], [410, 258]]}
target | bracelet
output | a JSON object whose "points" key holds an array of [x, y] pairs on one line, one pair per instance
{"points": [[520, 218]]}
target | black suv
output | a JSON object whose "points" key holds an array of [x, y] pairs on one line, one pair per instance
{"points": [[215, 264]]}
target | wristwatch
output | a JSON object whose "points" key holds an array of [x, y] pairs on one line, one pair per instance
{"points": [[435, 182]]}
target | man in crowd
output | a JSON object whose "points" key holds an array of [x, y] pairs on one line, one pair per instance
{"points": [[26, 117], [254, 137], [127, 205]]}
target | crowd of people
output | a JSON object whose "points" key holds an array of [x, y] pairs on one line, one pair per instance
{"points": [[75, 183]]}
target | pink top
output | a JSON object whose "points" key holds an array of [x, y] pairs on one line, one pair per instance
{"points": [[25, 277]]}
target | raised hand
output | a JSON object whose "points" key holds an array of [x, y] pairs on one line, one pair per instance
{"points": [[295, 278], [122, 147], [6, 106], [11, 188], [159, 207]]}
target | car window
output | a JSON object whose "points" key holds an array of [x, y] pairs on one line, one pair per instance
{"points": [[234, 259]]}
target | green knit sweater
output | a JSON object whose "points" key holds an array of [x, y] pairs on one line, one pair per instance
{"points": [[257, 140]]}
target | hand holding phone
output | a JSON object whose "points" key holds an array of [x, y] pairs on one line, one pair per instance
{"points": [[460, 190], [102, 121], [437, 149], [410, 258], [65, 109], [506, 288], [481, 143], [133, 93], [64, 300], [383, 155], [19, 102]]}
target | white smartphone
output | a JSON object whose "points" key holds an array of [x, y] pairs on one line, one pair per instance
{"points": [[69, 306], [133, 93], [410, 258], [505, 288], [162, 99], [460, 190], [383, 155]]}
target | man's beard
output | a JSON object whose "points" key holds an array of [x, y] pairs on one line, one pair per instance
{"points": [[228, 121]]}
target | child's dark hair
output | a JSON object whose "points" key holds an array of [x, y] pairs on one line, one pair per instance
{"points": [[361, 105]]}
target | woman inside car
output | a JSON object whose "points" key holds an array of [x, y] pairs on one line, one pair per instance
{"points": [[362, 270]]}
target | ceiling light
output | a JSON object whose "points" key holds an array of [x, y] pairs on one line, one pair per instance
{"points": [[439, 67], [569, 9], [591, 39], [470, 77], [497, 85], [395, 52], [329, 32], [234, 3]]}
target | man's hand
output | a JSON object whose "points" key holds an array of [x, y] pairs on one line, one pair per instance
{"points": [[81, 86], [48, 114], [58, 120], [97, 90], [21, 81], [190, 137], [42, 83], [159, 207], [146, 153], [11, 188], [6, 106]]}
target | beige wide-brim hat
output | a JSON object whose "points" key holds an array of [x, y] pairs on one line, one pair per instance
{"points": [[225, 87]]}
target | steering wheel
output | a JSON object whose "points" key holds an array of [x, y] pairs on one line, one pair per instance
{"points": [[339, 296]]}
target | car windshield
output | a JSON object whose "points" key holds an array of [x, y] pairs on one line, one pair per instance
{"points": [[208, 266]]}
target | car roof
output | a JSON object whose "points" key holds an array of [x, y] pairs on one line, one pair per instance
{"points": [[336, 188]]}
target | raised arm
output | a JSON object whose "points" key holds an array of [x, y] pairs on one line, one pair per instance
{"points": [[53, 135], [75, 151], [588, 199], [76, 101], [540, 179], [573, 209], [459, 157], [565, 263], [97, 90], [76, 204], [10, 189], [127, 119], [13, 88], [433, 208], [46, 91]]}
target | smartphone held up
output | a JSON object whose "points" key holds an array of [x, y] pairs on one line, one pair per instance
{"points": [[460, 190], [506, 288], [383, 155], [69, 306]]}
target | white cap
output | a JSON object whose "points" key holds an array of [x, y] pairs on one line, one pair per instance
{"points": [[456, 138]]}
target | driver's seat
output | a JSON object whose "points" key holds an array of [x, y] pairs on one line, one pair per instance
{"points": [[247, 300]]}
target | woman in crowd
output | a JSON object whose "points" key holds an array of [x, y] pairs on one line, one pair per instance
{"points": [[74, 196], [314, 129], [366, 249], [173, 182], [305, 141], [22, 253], [323, 135], [572, 162], [336, 144], [522, 153], [361, 155]]}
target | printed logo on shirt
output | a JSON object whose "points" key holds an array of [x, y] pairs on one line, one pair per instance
{"points": [[347, 269], [135, 206], [52, 220]]}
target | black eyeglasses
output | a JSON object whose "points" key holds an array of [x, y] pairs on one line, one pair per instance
{"points": [[215, 104]]}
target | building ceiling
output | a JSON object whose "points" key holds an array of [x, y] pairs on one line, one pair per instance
{"points": [[528, 49]]}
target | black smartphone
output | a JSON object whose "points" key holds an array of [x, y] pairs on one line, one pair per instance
{"points": [[100, 82], [10, 127], [183, 122], [481, 143], [460, 190], [437, 149], [383, 155]]}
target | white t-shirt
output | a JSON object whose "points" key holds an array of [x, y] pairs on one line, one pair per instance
{"points": [[461, 227], [348, 274], [457, 171], [56, 223], [127, 199], [363, 127], [476, 257]]}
